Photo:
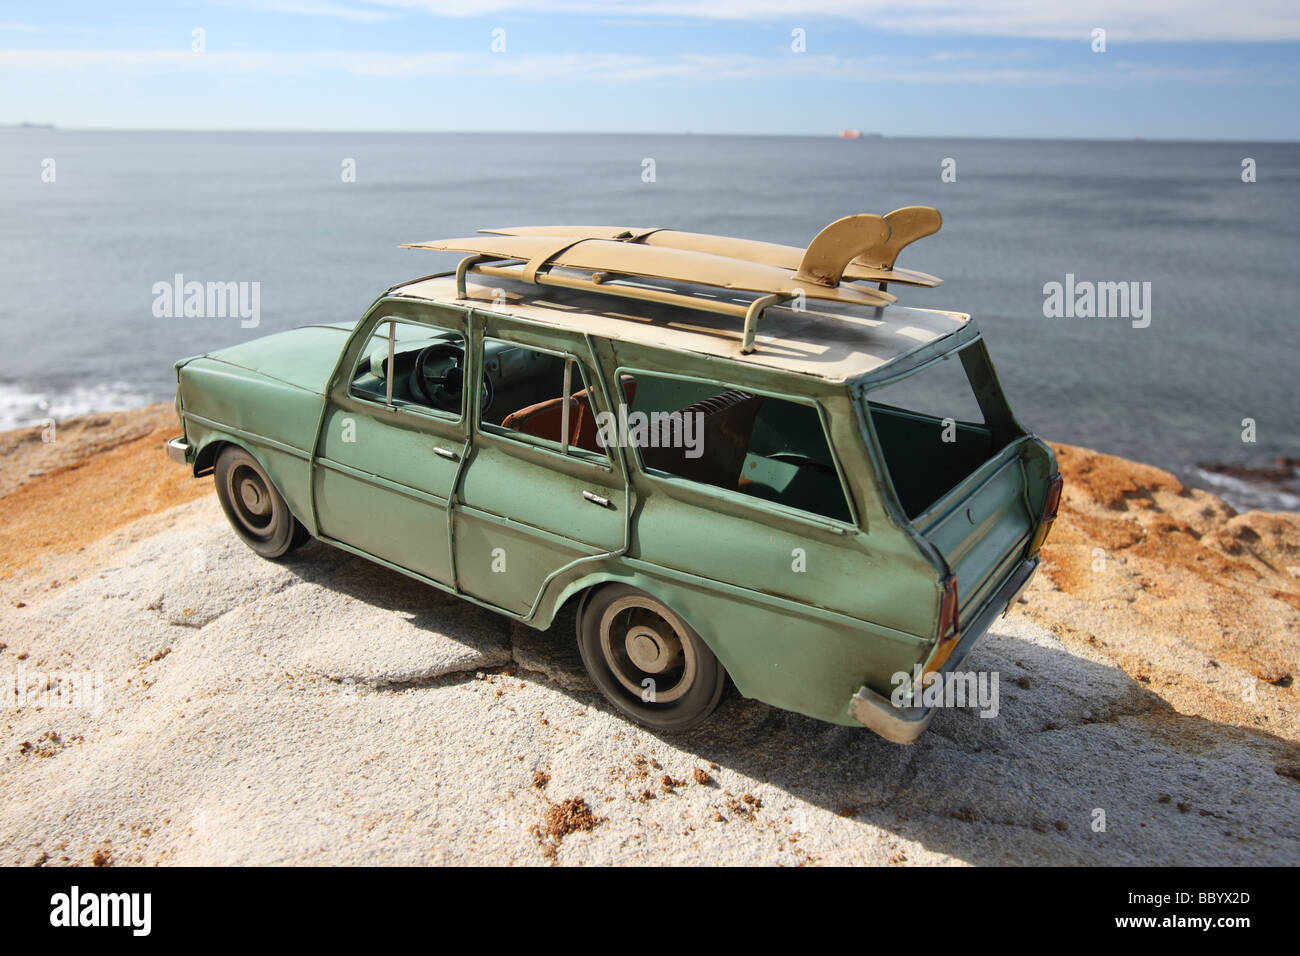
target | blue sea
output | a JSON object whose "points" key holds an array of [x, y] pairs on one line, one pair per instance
{"points": [[81, 254]]}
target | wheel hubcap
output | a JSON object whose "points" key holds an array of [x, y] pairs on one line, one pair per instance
{"points": [[254, 497], [251, 499], [645, 647], [652, 651]]}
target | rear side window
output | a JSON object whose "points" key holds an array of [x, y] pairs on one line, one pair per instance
{"points": [[756, 445], [534, 394]]}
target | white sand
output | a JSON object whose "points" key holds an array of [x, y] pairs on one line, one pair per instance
{"points": [[329, 711]]}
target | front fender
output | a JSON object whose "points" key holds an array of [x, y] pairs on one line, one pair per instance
{"points": [[288, 468]]}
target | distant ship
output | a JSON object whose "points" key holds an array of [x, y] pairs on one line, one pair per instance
{"points": [[858, 134]]}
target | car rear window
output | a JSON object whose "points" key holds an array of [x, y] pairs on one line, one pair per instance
{"points": [[935, 428]]}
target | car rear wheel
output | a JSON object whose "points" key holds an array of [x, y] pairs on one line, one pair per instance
{"points": [[256, 511], [647, 661]]}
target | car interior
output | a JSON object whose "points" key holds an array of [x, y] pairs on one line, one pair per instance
{"points": [[934, 432], [921, 465], [767, 448]]}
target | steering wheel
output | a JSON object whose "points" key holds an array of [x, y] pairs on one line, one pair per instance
{"points": [[443, 389]]}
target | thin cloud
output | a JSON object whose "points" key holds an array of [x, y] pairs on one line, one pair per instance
{"points": [[366, 13], [624, 68], [1124, 20]]}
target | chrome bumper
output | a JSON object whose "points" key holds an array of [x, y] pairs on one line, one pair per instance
{"points": [[179, 450], [903, 725]]}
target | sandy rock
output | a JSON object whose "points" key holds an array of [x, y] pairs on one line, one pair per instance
{"points": [[552, 653], [325, 710]]}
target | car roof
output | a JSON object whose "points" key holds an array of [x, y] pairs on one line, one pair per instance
{"points": [[834, 341]]}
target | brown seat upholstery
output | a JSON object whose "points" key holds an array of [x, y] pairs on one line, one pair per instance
{"points": [[585, 432], [545, 419], [728, 426]]}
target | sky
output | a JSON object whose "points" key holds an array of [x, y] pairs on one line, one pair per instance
{"points": [[1163, 70]]}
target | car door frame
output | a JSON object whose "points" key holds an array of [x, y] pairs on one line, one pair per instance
{"points": [[338, 395], [584, 349]]}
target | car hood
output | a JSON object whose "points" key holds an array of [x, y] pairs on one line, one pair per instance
{"points": [[303, 357]]}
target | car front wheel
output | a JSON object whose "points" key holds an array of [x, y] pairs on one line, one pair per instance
{"points": [[256, 511], [647, 661]]}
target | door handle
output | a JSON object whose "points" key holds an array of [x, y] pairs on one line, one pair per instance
{"points": [[445, 453], [596, 499]]}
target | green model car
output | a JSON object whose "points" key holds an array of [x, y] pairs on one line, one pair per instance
{"points": [[733, 458]]}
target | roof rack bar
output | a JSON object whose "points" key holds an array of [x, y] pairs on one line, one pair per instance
{"points": [[463, 267], [607, 287], [753, 314]]}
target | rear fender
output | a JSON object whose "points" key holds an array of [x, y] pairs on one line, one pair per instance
{"points": [[797, 658]]}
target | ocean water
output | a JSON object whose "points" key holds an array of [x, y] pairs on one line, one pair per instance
{"points": [[79, 256]]}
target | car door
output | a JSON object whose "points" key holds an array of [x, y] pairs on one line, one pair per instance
{"points": [[387, 458], [529, 502]]}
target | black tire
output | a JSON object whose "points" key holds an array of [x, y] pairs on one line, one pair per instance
{"points": [[618, 622], [255, 509]]}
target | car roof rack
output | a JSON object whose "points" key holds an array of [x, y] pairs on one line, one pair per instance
{"points": [[612, 260]]}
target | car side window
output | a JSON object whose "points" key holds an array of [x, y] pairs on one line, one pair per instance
{"points": [[535, 394], [412, 365], [756, 445]]}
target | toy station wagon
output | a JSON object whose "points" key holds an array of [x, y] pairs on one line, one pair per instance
{"points": [[735, 459]]}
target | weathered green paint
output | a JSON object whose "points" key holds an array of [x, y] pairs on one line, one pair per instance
{"points": [[866, 607]]}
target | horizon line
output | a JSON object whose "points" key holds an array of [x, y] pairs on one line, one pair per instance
{"points": [[32, 126]]}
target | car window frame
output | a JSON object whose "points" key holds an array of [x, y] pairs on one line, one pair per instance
{"points": [[505, 332], [363, 337], [852, 524]]}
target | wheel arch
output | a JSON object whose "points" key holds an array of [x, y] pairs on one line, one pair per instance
{"points": [[205, 463], [685, 601], [205, 460]]}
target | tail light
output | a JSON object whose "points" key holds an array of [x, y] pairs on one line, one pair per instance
{"points": [[1050, 506], [949, 630]]}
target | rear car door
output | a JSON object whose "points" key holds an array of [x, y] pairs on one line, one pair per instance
{"points": [[534, 498]]}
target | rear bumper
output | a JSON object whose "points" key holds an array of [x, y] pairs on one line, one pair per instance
{"points": [[180, 451], [903, 725]]}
